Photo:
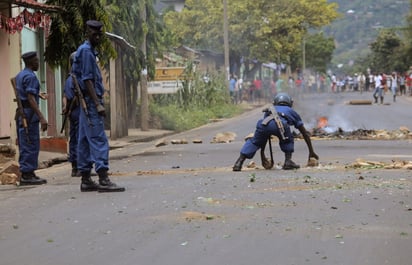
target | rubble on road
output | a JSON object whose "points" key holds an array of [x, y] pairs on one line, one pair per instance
{"points": [[402, 133], [367, 164], [179, 141], [225, 137], [360, 102], [7, 153], [9, 173]]}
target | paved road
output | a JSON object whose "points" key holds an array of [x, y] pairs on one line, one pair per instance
{"points": [[184, 205]]}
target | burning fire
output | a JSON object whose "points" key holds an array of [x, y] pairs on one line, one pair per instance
{"points": [[322, 122]]}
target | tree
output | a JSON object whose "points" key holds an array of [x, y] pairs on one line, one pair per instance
{"points": [[264, 30], [408, 36], [68, 28], [138, 22], [121, 17], [384, 50], [318, 52]]}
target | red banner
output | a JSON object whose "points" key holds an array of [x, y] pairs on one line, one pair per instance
{"points": [[34, 20]]}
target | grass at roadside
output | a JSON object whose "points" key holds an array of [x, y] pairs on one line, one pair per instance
{"points": [[172, 117]]}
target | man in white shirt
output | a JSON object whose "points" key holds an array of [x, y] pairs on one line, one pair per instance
{"points": [[378, 88]]}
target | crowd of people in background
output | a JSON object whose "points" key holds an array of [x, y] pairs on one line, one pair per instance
{"points": [[263, 90]]}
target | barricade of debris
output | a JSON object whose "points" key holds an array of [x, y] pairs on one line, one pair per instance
{"points": [[402, 133]]}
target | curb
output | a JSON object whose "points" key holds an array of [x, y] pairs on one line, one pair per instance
{"points": [[59, 158]]}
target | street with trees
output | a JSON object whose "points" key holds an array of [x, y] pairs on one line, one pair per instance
{"points": [[259, 31]]}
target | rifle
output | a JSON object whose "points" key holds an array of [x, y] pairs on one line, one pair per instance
{"points": [[67, 114], [79, 94], [20, 110]]}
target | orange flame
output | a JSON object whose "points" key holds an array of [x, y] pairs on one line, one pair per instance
{"points": [[322, 122]]}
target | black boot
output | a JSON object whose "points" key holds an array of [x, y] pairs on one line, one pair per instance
{"points": [[376, 99], [105, 185], [381, 100], [239, 163], [394, 98], [75, 172], [289, 164], [87, 183], [29, 178]]}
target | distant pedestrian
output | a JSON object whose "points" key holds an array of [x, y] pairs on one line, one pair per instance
{"points": [[409, 84], [394, 85], [258, 89], [279, 85], [334, 83], [378, 92], [239, 85], [232, 84], [402, 87], [362, 82]]}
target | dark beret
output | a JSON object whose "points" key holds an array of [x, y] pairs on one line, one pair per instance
{"points": [[94, 24], [28, 55]]}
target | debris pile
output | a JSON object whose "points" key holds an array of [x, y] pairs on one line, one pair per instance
{"points": [[9, 173], [394, 164], [324, 130], [362, 134]]}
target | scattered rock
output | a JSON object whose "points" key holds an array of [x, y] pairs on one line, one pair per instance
{"points": [[313, 162], [197, 141], [9, 179], [251, 164], [10, 167], [181, 141], [360, 102], [360, 163], [161, 142], [10, 173], [225, 137], [7, 150]]}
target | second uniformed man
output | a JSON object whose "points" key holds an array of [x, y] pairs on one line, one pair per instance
{"points": [[93, 145]]}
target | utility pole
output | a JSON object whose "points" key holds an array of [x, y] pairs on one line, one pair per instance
{"points": [[303, 54], [226, 41], [144, 100]]}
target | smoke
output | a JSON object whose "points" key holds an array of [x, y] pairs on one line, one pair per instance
{"points": [[338, 120], [312, 107]]}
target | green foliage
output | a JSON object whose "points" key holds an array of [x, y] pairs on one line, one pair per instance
{"points": [[391, 49], [359, 25], [174, 118], [318, 52], [384, 49], [193, 105], [68, 28], [260, 29], [197, 93]]}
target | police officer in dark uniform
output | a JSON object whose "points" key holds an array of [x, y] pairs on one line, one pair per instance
{"points": [[28, 91], [93, 145], [72, 107], [277, 121]]}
